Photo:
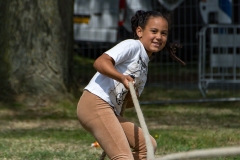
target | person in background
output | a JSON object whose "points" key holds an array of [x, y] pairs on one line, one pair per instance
{"points": [[100, 105]]}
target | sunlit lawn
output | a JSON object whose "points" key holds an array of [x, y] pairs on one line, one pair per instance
{"points": [[53, 132]]}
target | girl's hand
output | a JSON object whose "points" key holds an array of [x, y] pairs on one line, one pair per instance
{"points": [[125, 79]]}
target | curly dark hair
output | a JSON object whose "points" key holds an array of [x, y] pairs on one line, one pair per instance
{"points": [[141, 18]]}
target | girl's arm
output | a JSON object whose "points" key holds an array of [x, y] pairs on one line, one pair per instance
{"points": [[105, 65]]}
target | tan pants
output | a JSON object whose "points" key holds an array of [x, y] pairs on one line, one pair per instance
{"points": [[114, 133]]}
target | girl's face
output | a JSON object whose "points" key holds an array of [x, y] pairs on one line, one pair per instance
{"points": [[154, 35]]}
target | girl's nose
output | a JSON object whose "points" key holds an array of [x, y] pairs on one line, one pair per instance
{"points": [[159, 36]]}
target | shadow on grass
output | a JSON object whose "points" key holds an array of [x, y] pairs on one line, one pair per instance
{"points": [[210, 115], [204, 115], [15, 111]]}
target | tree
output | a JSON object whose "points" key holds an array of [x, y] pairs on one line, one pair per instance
{"points": [[36, 46]]}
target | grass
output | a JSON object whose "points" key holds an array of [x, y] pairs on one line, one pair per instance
{"points": [[53, 132]]}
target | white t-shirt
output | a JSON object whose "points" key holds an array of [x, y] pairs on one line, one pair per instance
{"points": [[130, 58]]}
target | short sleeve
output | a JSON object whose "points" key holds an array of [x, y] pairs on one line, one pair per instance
{"points": [[125, 50]]}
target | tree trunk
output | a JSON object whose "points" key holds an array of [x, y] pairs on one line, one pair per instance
{"points": [[37, 46]]}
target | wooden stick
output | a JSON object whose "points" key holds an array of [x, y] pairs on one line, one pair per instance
{"points": [[150, 152], [204, 153]]}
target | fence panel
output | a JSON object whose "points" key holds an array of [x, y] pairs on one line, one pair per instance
{"points": [[219, 56]]}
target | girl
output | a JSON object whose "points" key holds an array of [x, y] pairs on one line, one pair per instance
{"points": [[100, 105]]}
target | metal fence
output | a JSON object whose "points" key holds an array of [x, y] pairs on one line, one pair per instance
{"points": [[219, 56], [164, 73]]}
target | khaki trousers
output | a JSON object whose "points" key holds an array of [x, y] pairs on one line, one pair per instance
{"points": [[114, 133]]}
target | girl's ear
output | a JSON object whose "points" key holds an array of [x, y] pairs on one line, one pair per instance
{"points": [[139, 32]]}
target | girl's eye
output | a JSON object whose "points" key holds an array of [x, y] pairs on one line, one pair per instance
{"points": [[154, 31], [164, 33]]}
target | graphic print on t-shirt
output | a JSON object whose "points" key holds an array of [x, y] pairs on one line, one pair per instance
{"points": [[138, 70], [119, 97]]}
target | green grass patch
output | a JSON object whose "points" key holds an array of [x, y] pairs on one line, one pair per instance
{"points": [[53, 132]]}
